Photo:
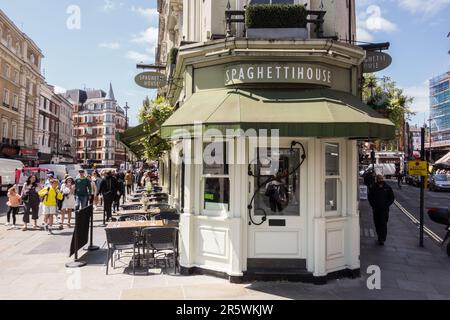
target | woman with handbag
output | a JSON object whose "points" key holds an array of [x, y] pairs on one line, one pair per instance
{"points": [[68, 204], [31, 200]]}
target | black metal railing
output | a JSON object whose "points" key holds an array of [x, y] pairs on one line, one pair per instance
{"points": [[315, 17]]}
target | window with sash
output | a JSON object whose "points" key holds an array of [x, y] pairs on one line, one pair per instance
{"points": [[215, 179]]}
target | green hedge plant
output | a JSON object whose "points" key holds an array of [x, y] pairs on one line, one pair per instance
{"points": [[276, 16]]}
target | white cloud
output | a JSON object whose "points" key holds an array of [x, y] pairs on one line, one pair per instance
{"points": [[427, 8], [109, 5], [371, 21], [138, 56], [149, 36], [149, 13], [421, 95], [58, 89], [109, 45], [363, 35]]}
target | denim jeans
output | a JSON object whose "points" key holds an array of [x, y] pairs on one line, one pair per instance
{"points": [[81, 202]]}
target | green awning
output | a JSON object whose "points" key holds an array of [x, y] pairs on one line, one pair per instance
{"points": [[135, 137], [295, 113]]}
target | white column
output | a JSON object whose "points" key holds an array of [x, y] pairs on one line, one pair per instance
{"points": [[317, 208], [352, 241]]}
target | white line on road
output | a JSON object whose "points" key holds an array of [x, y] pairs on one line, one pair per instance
{"points": [[433, 235]]}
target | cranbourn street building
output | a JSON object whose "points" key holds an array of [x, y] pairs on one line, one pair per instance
{"points": [[97, 119], [264, 159], [20, 85]]}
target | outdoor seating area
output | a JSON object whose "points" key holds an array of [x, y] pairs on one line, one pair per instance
{"points": [[145, 232]]}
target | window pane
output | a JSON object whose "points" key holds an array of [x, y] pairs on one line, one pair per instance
{"points": [[214, 158], [331, 192], [259, 1], [217, 194], [332, 159], [280, 197], [283, 1]]}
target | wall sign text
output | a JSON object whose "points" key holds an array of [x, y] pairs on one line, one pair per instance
{"points": [[278, 73]]}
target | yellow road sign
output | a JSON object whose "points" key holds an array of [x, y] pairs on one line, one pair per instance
{"points": [[417, 168]]}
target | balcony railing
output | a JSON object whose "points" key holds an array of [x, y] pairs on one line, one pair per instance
{"points": [[315, 17]]}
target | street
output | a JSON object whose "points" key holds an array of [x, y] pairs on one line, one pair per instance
{"points": [[409, 198]]}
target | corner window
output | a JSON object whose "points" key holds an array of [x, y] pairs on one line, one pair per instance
{"points": [[215, 179], [332, 177]]}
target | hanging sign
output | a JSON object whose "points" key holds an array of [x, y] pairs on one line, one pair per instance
{"points": [[278, 73], [150, 80], [376, 61]]}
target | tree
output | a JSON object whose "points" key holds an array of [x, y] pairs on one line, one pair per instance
{"points": [[390, 101], [153, 114]]}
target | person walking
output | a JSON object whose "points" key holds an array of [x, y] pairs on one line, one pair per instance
{"points": [[83, 190], [50, 196], [31, 200], [13, 205], [120, 192], [381, 197], [108, 188], [97, 179], [129, 182], [69, 203], [399, 176]]}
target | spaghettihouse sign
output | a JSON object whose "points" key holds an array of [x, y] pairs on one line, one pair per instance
{"points": [[278, 73], [150, 80]]}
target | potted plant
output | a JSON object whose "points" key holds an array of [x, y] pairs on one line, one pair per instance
{"points": [[276, 21]]}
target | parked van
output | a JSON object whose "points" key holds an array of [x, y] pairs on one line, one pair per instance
{"points": [[60, 170], [8, 172]]}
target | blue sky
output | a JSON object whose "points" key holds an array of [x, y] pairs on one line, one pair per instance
{"points": [[116, 34], [113, 36]]}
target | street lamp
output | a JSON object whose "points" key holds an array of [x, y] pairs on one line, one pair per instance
{"points": [[126, 128]]}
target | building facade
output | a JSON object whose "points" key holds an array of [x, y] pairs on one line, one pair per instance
{"points": [[56, 143], [20, 83], [230, 90], [440, 115], [97, 118]]}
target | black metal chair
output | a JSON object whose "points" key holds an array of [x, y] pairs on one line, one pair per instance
{"points": [[168, 215], [121, 239], [132, 217], [161, 240], [159, 205], [133, 206]]}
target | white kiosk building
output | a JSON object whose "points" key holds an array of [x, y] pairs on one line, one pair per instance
{"points": [[281, 207]]}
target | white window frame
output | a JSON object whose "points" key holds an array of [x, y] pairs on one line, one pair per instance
{"points": [[7, 71], [5, 131], [223, 212], [15, 101], [14, 131], [6, 96], [339, 178]]}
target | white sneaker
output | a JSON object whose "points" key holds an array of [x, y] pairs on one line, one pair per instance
{"points": [[7, 224]]}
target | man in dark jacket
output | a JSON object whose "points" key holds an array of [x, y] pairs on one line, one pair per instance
{"points": [[108, 188], [381, 197]]}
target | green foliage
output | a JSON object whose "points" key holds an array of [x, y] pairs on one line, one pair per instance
{"points": [[276, 16], [384, 97], [153, 114], [173, 55]]}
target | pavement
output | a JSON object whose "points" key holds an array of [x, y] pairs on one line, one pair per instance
{"points": [[32, 266]]}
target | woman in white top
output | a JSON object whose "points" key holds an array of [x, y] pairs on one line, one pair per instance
{"points": [[68, 189]]}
